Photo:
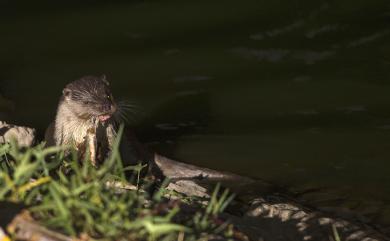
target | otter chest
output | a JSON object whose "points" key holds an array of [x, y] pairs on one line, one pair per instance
{"points": [[75, 132], [80, 136]]}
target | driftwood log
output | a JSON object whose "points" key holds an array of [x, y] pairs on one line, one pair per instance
{"points": [[267, 216]]}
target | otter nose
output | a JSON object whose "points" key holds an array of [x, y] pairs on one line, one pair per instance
{"points": [[107, 107]]}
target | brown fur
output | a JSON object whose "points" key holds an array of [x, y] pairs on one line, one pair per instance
{"points": [[77, 122]]}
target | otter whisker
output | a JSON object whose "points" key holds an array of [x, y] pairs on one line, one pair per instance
{"points": [[123, 115], [128, 110], [126, 113], [127, 104], [128, 107]]}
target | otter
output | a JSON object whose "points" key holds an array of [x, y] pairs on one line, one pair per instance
{"points": [[85, 118]]}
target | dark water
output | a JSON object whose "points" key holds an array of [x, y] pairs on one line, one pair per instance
{"points": [[295, 92]]}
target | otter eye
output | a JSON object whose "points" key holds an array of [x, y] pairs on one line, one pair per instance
{"points": [[108, 97]]}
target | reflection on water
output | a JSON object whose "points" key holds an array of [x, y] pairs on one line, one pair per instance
{"points": [[278, 31], [322, 30], [367, 39], [277, 55], [294, 94]]}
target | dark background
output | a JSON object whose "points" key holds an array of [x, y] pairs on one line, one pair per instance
{"points": [[295, 92]]}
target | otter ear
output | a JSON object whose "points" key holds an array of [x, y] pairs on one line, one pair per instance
{"points": [[104, 78], [67, 93]]}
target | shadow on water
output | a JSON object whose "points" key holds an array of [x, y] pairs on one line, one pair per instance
{"points": [[292, 92]]}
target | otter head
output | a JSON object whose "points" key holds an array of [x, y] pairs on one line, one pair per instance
{"points": [[90, 97]]}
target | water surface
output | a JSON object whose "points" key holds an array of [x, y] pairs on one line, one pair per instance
{"points": [[295, 92]]}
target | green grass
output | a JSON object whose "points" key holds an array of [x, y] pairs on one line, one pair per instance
{"points": [[75, 198]]}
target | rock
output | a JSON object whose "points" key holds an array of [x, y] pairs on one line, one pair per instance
{"points": [[286, 220], [189, 188], [25, 136], [23, 227]]}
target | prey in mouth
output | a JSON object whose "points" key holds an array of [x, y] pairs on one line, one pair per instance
{"points": [[85, 117]]}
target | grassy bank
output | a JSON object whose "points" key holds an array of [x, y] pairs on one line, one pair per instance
{"points": [[106, 203]]}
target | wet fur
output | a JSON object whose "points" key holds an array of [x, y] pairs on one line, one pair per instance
{"points": [[76, 123]]}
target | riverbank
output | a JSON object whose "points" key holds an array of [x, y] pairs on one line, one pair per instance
{"points": [[58, 198]]}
